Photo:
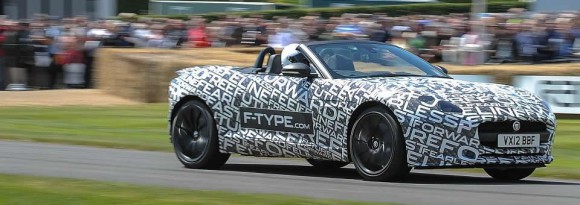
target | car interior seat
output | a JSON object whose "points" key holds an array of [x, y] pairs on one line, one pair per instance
{"points": [[340, 62], [274, 65]]}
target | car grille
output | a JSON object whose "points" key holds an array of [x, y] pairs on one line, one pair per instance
{"points": [[489, 131], [507, 126]]}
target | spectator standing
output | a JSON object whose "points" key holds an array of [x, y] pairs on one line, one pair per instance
{"points": [[561, 41], [73, 63], [10, 47], [262, 30], [22, 56], [285, 35], [2, 55], [175, 34], [155, 39], [232, 32], [197, 35], [53, 35], [327, 34], [90, 46], [526, 44], [140, 35], [349, 29], [378, 33], [38, 77], [99, 31], [254, 32], [471, 48]]}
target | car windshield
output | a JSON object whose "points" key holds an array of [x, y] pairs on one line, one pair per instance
{"points": [[362, 59]]}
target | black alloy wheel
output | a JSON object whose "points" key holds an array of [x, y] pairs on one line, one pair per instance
{"points": [[194, 137], [377, 146]]}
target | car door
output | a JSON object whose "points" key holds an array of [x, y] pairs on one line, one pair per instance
{"points": [[275, 116], [330, 113]]}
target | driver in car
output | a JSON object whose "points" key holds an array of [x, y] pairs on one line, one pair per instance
{"points": [[291, 55]]}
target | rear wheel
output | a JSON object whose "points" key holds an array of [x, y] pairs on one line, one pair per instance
{"points": [[509, 174], [325, 164], [377, 146], [194, 137]]}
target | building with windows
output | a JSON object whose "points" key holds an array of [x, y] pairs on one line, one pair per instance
{"points": [[25, 9]]}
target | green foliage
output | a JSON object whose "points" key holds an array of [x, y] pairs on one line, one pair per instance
{"points": [[271, 1], [454, 6], [391, 10], [142, 6], [133, 6]]}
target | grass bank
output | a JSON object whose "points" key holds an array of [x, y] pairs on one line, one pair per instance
{"points": [[16, 190], [141, 127], [144, 127]]}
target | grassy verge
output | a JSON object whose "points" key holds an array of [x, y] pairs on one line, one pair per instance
{"points": [[144, 127], [15, 190], [566, 152]]}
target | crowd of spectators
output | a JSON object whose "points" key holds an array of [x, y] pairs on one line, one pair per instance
{"points": [[63, 48]]}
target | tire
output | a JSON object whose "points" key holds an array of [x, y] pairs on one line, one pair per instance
{"points": [[510, 174], [194, 137], [325, 164], [377, 146]]}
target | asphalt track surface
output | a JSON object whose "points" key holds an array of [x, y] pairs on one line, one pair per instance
{"points": [[280, 176]]}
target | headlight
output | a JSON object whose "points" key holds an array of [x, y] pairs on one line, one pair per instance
{"points": [[448, 107]]}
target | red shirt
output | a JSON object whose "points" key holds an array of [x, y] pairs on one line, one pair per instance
{"points": [[75, 56], [198, 37], [70, 56]]}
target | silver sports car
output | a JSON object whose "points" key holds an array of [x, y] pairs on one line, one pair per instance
{"points": [[373, 104]]}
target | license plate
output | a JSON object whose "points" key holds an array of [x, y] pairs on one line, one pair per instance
{"points": [[518, 140]]}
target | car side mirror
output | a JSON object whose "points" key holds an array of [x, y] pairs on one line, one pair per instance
{"points": [[296, 69], [442, 69]]}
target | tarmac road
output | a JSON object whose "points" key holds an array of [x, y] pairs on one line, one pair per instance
{"points": [[281, 176]]}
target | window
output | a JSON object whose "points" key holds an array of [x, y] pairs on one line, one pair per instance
{"points": [[362, 59]]}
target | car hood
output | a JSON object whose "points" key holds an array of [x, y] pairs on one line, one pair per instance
{"points": [[466, 95]]}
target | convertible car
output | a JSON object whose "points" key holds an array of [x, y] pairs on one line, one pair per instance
{"points": [[372, 104]]}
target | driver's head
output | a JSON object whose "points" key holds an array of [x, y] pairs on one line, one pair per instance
{"points": [[291, 55], [298, 58]]}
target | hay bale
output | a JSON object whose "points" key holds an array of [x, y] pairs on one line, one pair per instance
{"points": [[504, 73], [144, 74]]}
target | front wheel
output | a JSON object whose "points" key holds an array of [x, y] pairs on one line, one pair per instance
{"points": [[509, 174], [194, 137], [377, 146]]}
